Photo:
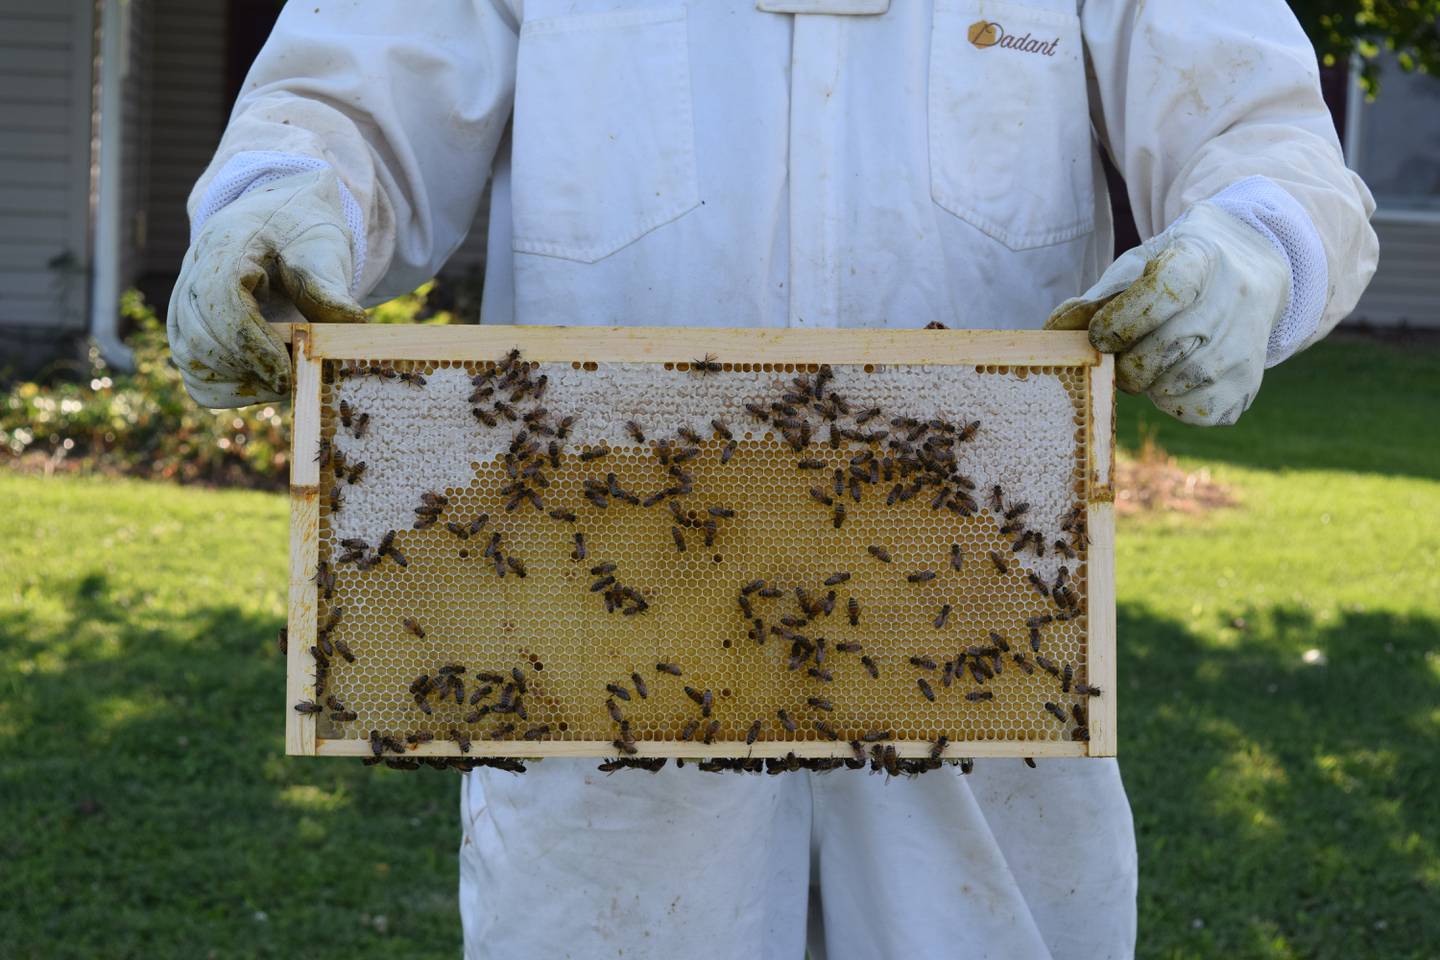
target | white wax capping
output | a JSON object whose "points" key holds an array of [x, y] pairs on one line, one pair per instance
{"points": [[425, 438]]}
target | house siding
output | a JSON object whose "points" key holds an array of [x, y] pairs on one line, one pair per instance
{"points": [[188, 110], [1406, 288], [45, 78]]}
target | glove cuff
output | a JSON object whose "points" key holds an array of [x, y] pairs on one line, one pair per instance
{"points": [[249, 169], [1280, 219]]}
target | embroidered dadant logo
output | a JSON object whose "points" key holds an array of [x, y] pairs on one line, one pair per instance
{"points": [[987, 33]]}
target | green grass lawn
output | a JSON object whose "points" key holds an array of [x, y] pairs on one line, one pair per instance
{"points": [[1285, 807]]}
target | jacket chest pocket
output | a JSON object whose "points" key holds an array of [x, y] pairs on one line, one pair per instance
{"points": [[1010, 149], [603, 147]]}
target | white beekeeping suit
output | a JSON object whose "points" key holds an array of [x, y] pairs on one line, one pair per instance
{"points": [[824, 163]]}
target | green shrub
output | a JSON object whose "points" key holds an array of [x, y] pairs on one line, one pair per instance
{"points": [[145, 424]]}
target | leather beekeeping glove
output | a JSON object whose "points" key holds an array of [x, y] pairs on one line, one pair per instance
{"points": [[282, 247], [1188, 315]]}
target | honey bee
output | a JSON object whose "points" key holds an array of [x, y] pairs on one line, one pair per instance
{"points": [[484, 417], [1039, 584], [879, 553], [332, 621], [669, 668], [410, 624], [515, 565], [1077, 710], [821, 674], [706, 364], [679, 539], [924, 663], [828, 731], [979, 696], [414, 379], [1086, 690], [1001, 566], [820, 704], [710, 732], [618, 690], [1066, 676], [538, 391], [536, 732], [1024, 664], [942, 617], [785, 720], [869, 664], [839, 517], [688, 731], [921, 576], [634, 429], [362, 424], [753, 733], [926, 689], [745, 607], [938, 747], [852, 609], [504, 730], [1047, 665]]}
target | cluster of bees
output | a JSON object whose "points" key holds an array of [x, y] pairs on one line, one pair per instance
{"points": [[909, 459]]}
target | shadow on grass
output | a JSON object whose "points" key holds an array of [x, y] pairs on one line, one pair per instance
{"points": [[1360, 405], [149, 811], [1284, 808], [1290, 808]]}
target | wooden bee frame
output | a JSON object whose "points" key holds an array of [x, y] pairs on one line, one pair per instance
{"points": [[989, 351]]}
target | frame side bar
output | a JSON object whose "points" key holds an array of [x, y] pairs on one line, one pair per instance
{"points": [[1100, 524], [304, 543]]}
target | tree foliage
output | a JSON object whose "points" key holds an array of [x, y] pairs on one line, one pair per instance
{"points": [[1407, 29]]}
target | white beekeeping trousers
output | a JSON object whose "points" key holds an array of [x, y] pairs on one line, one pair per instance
{"points": [[1008, 863]]}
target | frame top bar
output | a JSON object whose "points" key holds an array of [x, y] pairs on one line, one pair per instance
{"points": [[685, 344]]}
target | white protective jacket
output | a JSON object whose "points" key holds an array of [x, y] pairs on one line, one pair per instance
{"points": [[805, 163]]}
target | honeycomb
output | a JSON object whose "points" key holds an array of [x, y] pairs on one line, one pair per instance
{"points": [[940, 599]]}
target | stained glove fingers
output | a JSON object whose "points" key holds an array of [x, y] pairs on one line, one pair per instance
{"points": [[1171, 281], [1195, 391], [1206, 407], [314, 269], [226, 353], [1077, 312], [1137, 369]]}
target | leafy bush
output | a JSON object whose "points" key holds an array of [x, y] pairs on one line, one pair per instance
{"points": [[145, 424]]}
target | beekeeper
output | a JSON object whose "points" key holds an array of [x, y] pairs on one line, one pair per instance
{"points": [[801, 163]]}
